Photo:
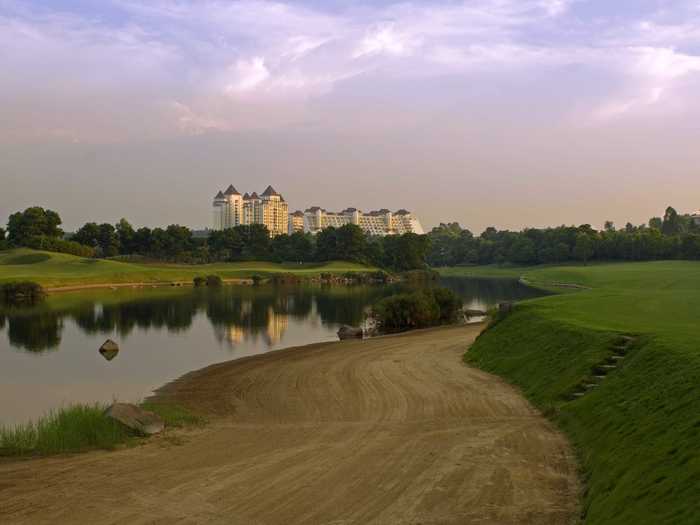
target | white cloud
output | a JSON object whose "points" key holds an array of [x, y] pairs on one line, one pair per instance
{"points": [[219, 58], [385, 39], [248, 75]]}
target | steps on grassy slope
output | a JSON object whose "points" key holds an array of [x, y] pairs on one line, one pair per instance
{"points": [[601, 370]]}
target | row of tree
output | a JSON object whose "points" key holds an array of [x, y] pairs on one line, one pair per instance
{"points": [[672, 237], [39, 228]]}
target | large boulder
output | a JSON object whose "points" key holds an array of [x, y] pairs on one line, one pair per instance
{"points": [[109, 349], [142, 421], [350, 332]]}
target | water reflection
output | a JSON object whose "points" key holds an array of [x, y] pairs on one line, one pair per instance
{"points": [[49, 357], [237, 314]]}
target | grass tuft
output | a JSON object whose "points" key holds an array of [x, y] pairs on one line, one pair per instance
{"points": [[72, 429], [79, 428]]}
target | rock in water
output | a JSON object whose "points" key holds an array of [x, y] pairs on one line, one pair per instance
{"points": [[142, 421], [109, 349], [350, 332]]}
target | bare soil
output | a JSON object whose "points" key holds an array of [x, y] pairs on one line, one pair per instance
{"points": [[391, 430]]}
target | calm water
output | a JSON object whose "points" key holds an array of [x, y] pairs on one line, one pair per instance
{"points": [[49, 353]]}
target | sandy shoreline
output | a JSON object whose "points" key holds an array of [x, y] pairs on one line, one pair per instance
{"points": [[394, 429]]}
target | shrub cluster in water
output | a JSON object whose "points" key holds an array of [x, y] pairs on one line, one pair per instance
{"points": [[21, 292], [209, 280], [420, 309]]}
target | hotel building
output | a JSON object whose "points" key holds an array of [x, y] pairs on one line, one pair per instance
{"points": [[231, 209], [380, 222]]}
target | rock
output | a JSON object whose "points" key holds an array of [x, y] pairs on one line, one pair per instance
{"points": [[109, 349], [350, 332], [142, 421], [505, 308]]}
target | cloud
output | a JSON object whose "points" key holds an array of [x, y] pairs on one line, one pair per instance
{"points": [[385, 39], [130, 68], [248, 74]]}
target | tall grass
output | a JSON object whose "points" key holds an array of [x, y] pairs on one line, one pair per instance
{"points": [[78, 428], [71, 429]]}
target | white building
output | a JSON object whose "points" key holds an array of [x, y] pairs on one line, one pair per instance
{"points": [[231, 209], [380, 222], [696, 217]]}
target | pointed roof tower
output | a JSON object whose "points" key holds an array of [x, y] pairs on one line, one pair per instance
{"points": [[270, 192], [254, 195], [219, 196], [246, 196], [231, 191]]}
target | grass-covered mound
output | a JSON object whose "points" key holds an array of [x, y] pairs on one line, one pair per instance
{"points": [[638, 431], [57, 269], [79, 428]]}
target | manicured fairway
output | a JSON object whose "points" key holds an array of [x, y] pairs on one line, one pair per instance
{"points": [[56, 269], [637, 429]]}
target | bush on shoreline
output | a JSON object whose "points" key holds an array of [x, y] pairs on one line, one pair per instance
{"points": [[21, 292], [420, 309]]}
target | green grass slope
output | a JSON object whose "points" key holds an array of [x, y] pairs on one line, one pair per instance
{"points": [[57, 269], [638, 432]]}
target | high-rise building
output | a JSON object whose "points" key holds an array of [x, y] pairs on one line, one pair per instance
{"points": [[296, 222], [380, 222], [233, 209]]}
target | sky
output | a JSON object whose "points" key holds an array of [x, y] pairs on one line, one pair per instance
{"points": [[512, 113]]}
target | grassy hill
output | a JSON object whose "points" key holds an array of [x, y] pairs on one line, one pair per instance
{"points": [[57, 269], [638, 431]]}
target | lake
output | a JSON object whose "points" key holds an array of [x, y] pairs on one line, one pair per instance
{"points": [[49, 353]]}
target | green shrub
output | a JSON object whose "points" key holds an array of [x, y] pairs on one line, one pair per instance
{"points": [[419, 309], [256, 280], [214, 281], [54, 244], [199, 281], [26, 291]]}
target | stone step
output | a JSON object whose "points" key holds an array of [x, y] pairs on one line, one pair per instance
{"points": [[617, 357], [579, 394], [600, 377], [608, 367], [591, 385]]}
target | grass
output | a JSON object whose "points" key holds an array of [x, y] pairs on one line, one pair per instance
{"points": [[57, 269], [79, 428], [638, 434]]}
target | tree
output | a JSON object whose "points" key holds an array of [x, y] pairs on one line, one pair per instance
{"points": [[88, 234], [3, 243], [126, 235], [33, 222], [327, 244], [671, 223], [256, 239], [107, 240], [522, 251], [609, 226], [583, 250], [351, 243], [142, 241]]}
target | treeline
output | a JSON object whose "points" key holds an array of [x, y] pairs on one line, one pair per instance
{"points": [[40, 229], [672, 236]]}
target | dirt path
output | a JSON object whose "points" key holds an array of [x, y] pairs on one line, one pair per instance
{"points": [[393, 430]]}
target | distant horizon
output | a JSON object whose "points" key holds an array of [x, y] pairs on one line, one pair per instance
{"points": [[511, 113]]}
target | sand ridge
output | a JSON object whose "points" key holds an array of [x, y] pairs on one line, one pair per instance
{"points": [[391, 430]]}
